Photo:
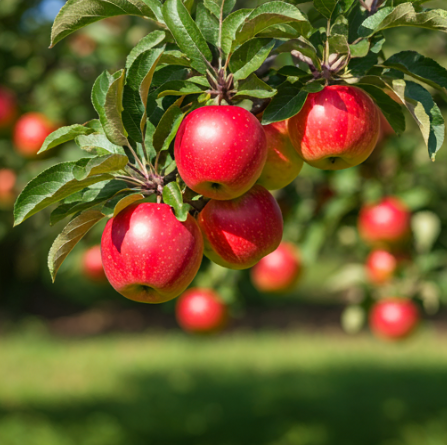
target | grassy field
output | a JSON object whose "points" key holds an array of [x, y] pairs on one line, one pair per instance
{"points": [[238, 389]]}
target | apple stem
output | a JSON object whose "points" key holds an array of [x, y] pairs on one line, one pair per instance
{"points": [[137, 159]]}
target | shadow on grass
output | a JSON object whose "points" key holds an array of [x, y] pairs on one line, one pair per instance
{"points": [[362, 405]]}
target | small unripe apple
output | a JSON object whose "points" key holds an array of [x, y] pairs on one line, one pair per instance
{"points": [[394, 318], [283, 163], [7, 183], [148, 254], [239, 232], [30, 132], [201, 311], [385, 222], [8, 108], [220, 151], [337, 128], [381, 266], [92, 264], [279, 271]]}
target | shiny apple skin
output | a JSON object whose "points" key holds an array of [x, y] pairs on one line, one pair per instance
{"points": [[148, 255], [279, 271], [283, 164], [220, 151], [337, 128], [8, 108], [92, 264], [394, 318], [381, 266], [239, 232], [386, 222], [30, 132], [201, 310]]}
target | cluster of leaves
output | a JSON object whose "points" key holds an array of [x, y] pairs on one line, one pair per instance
{"points": [[202, 53]]}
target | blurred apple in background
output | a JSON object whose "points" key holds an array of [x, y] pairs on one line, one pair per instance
{"points": [[7, 183], [201, 311], [30, 132], [381, 266], [394, 318], [8, 108], [92, 264], [279, 271]]}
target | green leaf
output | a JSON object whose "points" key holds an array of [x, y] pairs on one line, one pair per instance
{"points": [[168, 73], [325, 7], [360, 49], [156, 8], [73, 232], [98, 144], [403, 15], [288, 101], [175, 57], [87, 198], [107, 96], [280, 31], [254, 87], [216, 6], [187, 35], [76, 14], [139, 79], [421, 68], [63, 135], [168, 126], [340, 26], [338, 44], [249, 57], [230, 26], [390, 109], [268, 14], [208, 24], [180, 88], [173, 197], [425, 112], [113, 208], [59, 182], [146, 43], [303, 46], [292, 71]]}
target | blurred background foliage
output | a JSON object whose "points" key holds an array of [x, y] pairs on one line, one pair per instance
{"points": [[290, 389]]}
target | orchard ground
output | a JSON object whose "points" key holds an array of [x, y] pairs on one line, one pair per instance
{"points": [[269, 388]]}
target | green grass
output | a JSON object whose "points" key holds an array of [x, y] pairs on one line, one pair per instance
{"points": [[239, 389]]}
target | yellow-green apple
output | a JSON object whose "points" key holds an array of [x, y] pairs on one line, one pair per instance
{"points": [[92, 264], [201, 310], [148, 254], [279, 271], [381, 265], [8, 108], [239, 232], [30, 132], [386, 222], [220, 151], [337, 128], [283, 163], [394, 318]]}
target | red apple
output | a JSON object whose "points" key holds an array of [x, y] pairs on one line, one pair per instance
{"points": [[220, 151], [239, 232], [7, 183], [279, 271], [385, 222], [201, 311], [92, 264], [30, 132], [148, 254], [381, 266], [283, 163], [394, 318], [336, 128], [8, 108]]}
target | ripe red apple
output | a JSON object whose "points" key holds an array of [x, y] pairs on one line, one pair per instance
{"points": [[239, 232], [201, 311], [220, 151], [30, 133], [148, 254], [381, 266], [385, 222], [394, 318], [279, 271], [7, 183], [283, 163], [8, 108], [92, 264], [336, 128]]}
